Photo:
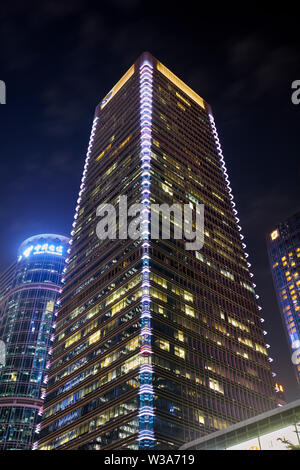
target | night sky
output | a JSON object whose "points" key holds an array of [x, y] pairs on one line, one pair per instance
{"points": [[60, 58]]}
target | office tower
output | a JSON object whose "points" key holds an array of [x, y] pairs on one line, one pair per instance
{"points": [[284, 255], [29, 292], [155, 344]]}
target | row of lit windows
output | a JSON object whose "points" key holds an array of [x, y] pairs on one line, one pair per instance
{"points": [[128, 365], [89, 426], [105, 361]]}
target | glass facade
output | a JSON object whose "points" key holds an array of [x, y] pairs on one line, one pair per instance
{"points": [[284, 255], [155, 345], [27, 306]]}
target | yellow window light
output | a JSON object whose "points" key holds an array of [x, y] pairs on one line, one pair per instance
{"points": [[180, 106], [183, 99], [180, 84], [274, 234], [101, 155]]}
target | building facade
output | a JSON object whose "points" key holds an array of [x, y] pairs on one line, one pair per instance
{"points": [[155, 344], [29, 291], [284, 255]]}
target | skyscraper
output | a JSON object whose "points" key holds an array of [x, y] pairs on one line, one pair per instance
{"points": [[155, 345], [284, 255], [29, 290]]}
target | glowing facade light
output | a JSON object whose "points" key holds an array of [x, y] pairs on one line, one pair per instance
{"points": [[145, 349], [274, 235], [146, 368], [45, 248], [146, 413], [146, 389], [146, 436]]}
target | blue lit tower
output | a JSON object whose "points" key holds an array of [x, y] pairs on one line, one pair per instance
{"points": [[29, 291], [284, 254]]}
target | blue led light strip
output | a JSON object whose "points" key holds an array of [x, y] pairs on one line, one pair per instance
{"points": [[146, 410]]}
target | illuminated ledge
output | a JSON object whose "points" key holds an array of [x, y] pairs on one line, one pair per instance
{"points": [[180, 84]]}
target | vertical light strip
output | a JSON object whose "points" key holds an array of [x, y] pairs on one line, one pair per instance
{"points": [[86, 164], [146, 410], [224, 169], [82, 185]]}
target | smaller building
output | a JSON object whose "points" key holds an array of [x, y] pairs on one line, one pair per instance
{"points": [[284, 254], [29, 290], [263, 432]]}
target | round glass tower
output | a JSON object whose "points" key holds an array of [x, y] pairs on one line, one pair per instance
{"points": [[26, 328]]}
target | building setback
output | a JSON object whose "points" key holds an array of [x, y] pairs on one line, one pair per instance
{"points": [[29, 291], [155, 345], [284, 255]]}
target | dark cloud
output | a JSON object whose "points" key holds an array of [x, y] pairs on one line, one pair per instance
{"points": [[260, 69]]}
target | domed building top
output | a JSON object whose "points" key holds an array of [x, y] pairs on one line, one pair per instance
{"points": [[49, 243]]}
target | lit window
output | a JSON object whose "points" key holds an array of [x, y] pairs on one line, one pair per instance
{"points": [[164, 345], [179, 335], [179, 352], [216, 386], [274, 235]]}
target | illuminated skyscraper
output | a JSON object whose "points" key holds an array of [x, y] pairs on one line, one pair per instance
{"points": [[155, 345], [284, 254], [29, 291]]}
